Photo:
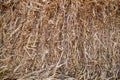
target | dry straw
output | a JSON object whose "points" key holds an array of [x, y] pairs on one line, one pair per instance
{"points": [[59, 39]]}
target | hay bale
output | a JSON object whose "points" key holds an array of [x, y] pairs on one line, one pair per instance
{"points": [[43, 38]]}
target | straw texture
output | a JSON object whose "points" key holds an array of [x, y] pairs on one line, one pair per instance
{"points": [[59, 39]]}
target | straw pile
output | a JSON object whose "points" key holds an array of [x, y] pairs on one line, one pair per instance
{"points": [[59, 39]]}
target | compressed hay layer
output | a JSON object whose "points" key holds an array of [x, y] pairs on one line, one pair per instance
{"points": [[42, 39]]}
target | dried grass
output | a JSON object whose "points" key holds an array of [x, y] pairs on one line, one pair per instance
{"points": [[44, 39]]}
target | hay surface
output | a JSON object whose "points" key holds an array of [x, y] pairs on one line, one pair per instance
{"points": [[60, 39]]}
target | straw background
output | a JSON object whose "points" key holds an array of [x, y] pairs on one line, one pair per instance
{"points": [[59, 39]]}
